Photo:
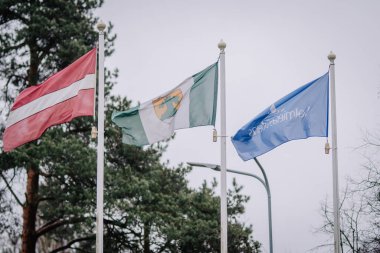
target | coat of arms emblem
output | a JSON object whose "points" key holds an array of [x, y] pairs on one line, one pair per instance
{"points": [[166, 107]]}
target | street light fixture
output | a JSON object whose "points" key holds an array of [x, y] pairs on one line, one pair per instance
{"points": [[263, 182]]}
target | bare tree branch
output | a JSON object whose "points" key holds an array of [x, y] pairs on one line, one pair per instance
{"points": [[11, 190]]}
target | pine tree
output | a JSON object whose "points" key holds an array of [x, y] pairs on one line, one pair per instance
{"points": [[38, 38], [149, 206]]}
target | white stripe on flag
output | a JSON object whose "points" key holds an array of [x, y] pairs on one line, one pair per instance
{"points": [[51, 99], [182, 117], [156, 129]]}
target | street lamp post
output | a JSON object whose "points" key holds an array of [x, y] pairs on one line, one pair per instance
{"points": [[269, 204], [264, 182]]}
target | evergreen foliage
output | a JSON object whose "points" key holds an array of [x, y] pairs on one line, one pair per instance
{"points": [[149, 206]]}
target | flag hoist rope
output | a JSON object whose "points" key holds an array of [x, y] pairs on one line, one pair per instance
{"points": [[100, 157]]}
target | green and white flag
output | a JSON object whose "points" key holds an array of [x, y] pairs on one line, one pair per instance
{"points": [[190, 104]]}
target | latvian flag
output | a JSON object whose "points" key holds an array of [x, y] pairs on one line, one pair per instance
{"points": [[62, 97]]}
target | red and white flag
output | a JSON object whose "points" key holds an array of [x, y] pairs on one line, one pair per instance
{"points": [[62, 97]]}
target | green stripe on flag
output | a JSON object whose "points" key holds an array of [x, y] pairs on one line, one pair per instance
{"points": [[190, 104], [131, 125], [203, 97]]}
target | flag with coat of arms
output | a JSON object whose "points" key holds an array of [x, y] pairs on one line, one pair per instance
{"points": [[192, 103]]}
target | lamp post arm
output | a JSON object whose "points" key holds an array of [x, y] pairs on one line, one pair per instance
{"points": [[264, 175], [265, 183], [269, 205], [250, 175]]}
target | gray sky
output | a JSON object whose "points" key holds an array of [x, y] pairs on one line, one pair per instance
{"points": [[273, 47]]}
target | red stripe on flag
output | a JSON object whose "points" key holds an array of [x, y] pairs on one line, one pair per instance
{"points": [[34, 126], [76, 71]]}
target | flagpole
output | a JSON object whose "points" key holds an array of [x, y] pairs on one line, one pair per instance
{"points": [[223, 163], [100, 162], [334, 148]]}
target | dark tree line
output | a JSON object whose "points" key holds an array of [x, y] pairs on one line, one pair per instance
{"points": [[47, 187]]}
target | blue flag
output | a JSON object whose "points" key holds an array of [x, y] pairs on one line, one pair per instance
{"points": [[299, 115]]}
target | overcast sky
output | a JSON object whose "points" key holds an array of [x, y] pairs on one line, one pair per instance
{"points": [[273, 47]]}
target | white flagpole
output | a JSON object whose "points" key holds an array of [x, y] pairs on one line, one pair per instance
{"points": [[223, 163], [100, 162], [334, 148]]}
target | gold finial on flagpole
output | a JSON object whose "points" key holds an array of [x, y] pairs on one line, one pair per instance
{"points": [[101, 26], [222, 45]]}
